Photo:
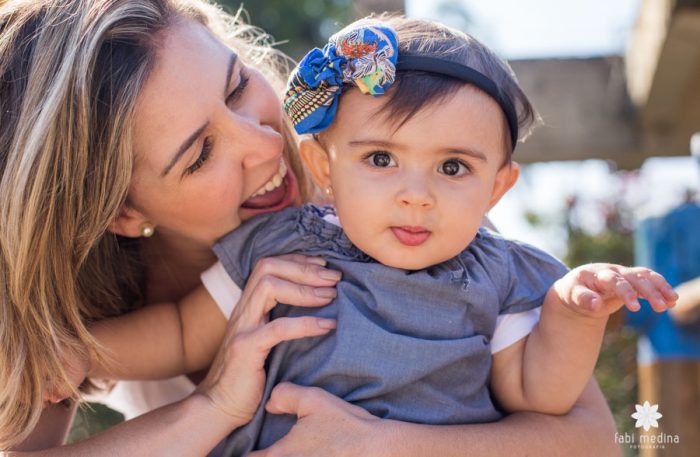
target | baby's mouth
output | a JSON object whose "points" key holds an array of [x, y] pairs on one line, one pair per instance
{"points": [[411, 235]]}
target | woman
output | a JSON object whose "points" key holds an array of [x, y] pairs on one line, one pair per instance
{"points": [[119, 119]]}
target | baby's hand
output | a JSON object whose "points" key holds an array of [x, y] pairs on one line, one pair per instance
{"points": [[600, 289]]}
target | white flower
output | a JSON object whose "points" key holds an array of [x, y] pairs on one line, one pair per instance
{"points": [[646, 416]]}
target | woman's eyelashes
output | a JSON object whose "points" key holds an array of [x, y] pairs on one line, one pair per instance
{"points": [[239, 90], [208, 143], [207, 146]]}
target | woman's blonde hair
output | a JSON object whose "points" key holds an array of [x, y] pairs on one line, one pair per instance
{"points": [[70, 74]]}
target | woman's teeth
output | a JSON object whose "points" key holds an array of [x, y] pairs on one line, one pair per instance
{"points": [[274, 182]]}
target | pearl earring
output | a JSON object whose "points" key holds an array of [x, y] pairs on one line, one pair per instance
{"points": [[328, 191], [147, 230]]}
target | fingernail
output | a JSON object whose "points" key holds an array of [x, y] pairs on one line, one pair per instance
{"points": [[332, 275], [325, 292], [318, 261], [326, 323]]}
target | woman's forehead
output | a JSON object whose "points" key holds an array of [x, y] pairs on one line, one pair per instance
{"points": [[188, 77]]}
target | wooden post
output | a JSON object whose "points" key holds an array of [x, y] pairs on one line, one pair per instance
{"points": [[674, 385]]}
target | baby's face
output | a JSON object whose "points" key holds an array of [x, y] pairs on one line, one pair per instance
{"points": [[415, 197]]}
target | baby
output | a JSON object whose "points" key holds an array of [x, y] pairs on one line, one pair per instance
{"points": [[414, 125]]}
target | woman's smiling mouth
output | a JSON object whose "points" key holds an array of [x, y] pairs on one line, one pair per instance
{"points": [[277, 193]]}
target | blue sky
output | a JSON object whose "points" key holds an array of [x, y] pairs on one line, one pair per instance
{"points": [[541, 28]]}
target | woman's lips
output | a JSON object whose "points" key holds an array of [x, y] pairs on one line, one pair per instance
{"points": [[410, 235], [270, 198], [274, 200]]}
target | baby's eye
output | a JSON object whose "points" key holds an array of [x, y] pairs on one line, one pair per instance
{"points": [[453, 167], [381, 159]]}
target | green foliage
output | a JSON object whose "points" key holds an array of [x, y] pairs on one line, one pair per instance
{"points": [[92, 418], [299, 24]]}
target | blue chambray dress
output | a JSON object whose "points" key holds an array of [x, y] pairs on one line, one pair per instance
{"points": [[410, 345]]}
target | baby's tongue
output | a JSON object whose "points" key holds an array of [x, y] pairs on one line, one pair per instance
{"points": [[267, 199]]}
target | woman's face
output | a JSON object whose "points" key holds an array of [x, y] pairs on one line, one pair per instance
{"points": [[208, 147]]}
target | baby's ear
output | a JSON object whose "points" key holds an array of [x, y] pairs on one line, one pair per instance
{"points": [[505, 180], [316, 160]]}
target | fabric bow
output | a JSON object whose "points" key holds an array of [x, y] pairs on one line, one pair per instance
{"points": [[364, 56]]}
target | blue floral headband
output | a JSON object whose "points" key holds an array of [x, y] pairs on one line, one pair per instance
{"points": [[367, 56]]}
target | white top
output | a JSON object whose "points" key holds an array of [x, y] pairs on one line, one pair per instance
{"points": [[133, 398]]}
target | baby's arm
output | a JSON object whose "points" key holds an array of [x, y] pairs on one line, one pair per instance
{"points": [[547, 371]]}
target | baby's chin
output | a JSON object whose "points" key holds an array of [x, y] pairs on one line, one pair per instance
{"points": [[413, 261]]}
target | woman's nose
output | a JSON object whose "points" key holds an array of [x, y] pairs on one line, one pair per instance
{"points": [[257, 141]]}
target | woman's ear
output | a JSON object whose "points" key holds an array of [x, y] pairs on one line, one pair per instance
{"points": [[505, 180], [129, 223], [316, 160]]}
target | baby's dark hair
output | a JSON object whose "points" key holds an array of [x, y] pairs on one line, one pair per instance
{"points": [[414, 90]]}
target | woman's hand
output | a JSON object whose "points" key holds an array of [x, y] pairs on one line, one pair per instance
{"points": [[237, 377], [326, 425]]}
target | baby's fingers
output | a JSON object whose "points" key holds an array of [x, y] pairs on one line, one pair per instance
{"points": [[668, 293], [585, 298], [611, 283], [649, 286]]}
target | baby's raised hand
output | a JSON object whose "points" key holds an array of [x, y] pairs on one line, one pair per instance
{"points": [[599, 289]]}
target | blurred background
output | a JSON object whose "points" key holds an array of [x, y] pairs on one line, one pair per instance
{"points": [[608, 177]]}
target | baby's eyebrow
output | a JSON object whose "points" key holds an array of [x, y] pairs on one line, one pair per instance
{"points": [[468, 152], [378, 143]]}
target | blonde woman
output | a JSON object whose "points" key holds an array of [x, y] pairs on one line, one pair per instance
{"points": [[131, 138]]}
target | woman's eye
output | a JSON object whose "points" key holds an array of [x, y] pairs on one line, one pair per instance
{"points": [[381, 159], [453, 167], [237, 93], [207, 146]]}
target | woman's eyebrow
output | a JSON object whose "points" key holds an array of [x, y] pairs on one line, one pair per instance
{"points": [[193, 137]]}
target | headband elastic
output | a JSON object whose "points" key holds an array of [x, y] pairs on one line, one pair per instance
{"points": [[367, 57]]}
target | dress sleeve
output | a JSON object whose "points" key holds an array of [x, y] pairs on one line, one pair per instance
{"points": [[221, 287], [265, 235], [530, 274], [511, 328]]}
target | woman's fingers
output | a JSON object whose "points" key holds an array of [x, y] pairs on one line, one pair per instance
{"points": [[257, 302], [326, 425], [236, 379], [289, 328], [296, 268], [292, 279], [287, 398]]}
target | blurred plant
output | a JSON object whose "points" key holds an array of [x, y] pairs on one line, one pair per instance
{"points": [[92, 418], [297, 25]]}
